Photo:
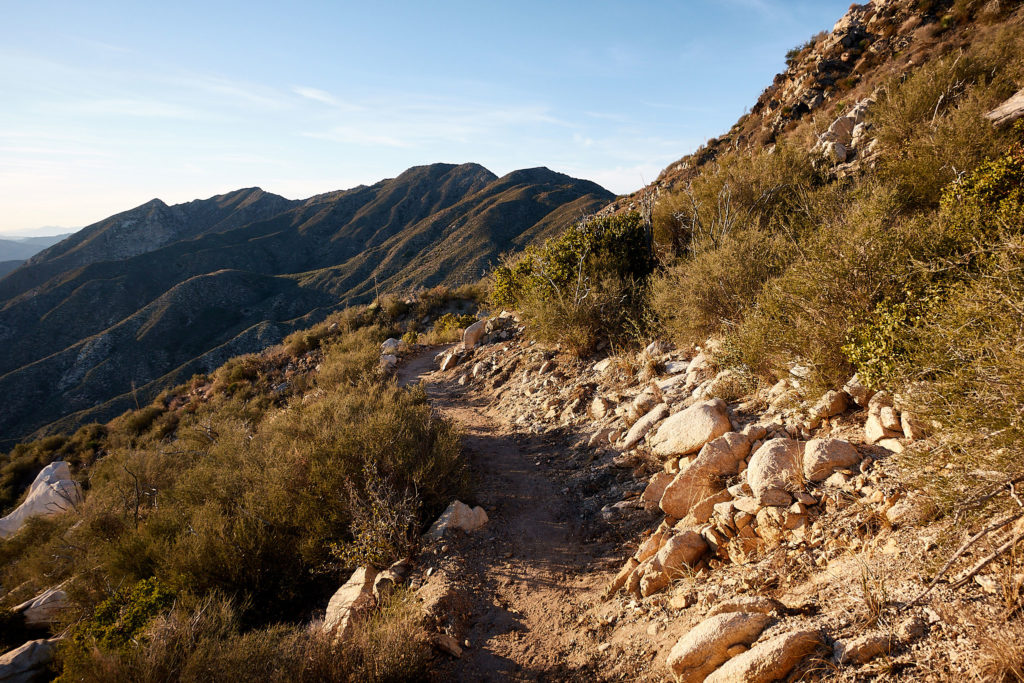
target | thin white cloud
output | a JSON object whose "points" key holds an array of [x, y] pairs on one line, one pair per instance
{"points": [[357, 136]]}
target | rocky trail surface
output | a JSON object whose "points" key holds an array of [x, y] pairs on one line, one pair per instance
{"points": [[524, 579]]}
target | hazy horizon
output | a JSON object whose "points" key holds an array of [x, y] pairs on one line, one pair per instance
{"points": [[112, 104]]}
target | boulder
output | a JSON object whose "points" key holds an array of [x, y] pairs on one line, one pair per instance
{"points": [[914, 429], [842, 130], [1009, 111], [385, 583], [458, 515], [680, 552], [599, 407], [874, 431], [350, 603], [390, 346], [768, 661], [824, 456], [388, 361], [43, 609], [688, 430], [776, 467], [29, 662], [861, 649], [830, 404], [643, 425], [449, 361], [706, 646], [473, 334], [719, 458], [52, 492], [701, 512]]}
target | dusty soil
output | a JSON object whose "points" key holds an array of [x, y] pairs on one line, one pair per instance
{"points": [[534, 572]]}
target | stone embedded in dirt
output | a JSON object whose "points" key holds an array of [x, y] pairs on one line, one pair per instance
{"points": [[29, 662], [759, 604], [620, 579], [720, 457], [832, 403], [890, 419], [705, 647], [911, 628], [680, 552], [449, 360], [688, 430], [390, 346], [599, 407], [652, 545], [674, 367], [655, 489], [473, 334], [776, 467], [913, 428], [643, 425], [352, 601], [824, 456], [43, 609], [768, 661], [861, 649], [445, 643], [458, 515], [52, 492]]}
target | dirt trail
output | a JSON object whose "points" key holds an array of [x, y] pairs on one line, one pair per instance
{"points": [[529, 573]]}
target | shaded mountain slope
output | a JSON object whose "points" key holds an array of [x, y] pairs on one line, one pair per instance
{"points": [[152, 295]]}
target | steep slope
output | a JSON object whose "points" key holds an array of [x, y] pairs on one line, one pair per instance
{"points": [[140, 296]]}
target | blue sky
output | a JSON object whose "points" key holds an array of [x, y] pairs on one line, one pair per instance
{"points": [[108, 104]]}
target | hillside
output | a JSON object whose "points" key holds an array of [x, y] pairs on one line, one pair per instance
{"points": [[144, 299]]}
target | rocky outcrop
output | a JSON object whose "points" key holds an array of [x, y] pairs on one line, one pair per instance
{"points": [[52, 492], [350, 603], [28, 663], [43, 609]]}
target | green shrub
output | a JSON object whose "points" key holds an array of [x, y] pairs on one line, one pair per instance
{"points": [[121, 618], [582, 287]]}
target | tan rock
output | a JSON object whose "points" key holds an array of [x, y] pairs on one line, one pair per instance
{"points": [[768, 661], [862, 649], [890, 419], [652, 545], [719, 458], [656, 489], [680, 552], [643, 425], [599, 407], [688, 430], [43, 609], [1009, 111], [701, 512], [831, 403], [350, 603], [460, 516], [875, 432], [913, 428], [777, 466], [858, 391], [824, 456], [706, 646], [620, 579], [445, 643]]}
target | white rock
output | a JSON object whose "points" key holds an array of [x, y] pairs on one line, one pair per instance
{"points": [[688, 430], [458, 515], [776, 468], [602, 365], [1009, 111], [349, 603], [858, 391], [391, 345], [28, 662], [53, 492], [644, 425], [43, 609], [473, 334], [674, 367], [388, 361], [824, 456]]}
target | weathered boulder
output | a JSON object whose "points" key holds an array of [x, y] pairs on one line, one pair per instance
{"points": [[830, 404], [391, 345], [449, 360], [768, 661], [775, 470], [52, 492], [706, 646], [824, 456], [688, 430], [385, 583], [43, 609], [643, 425], [874, 431], [718, 458], [28, 662], [458, 515], [388, 361], [473, 334], [913, 428], [681, 551], [350, 603]]}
